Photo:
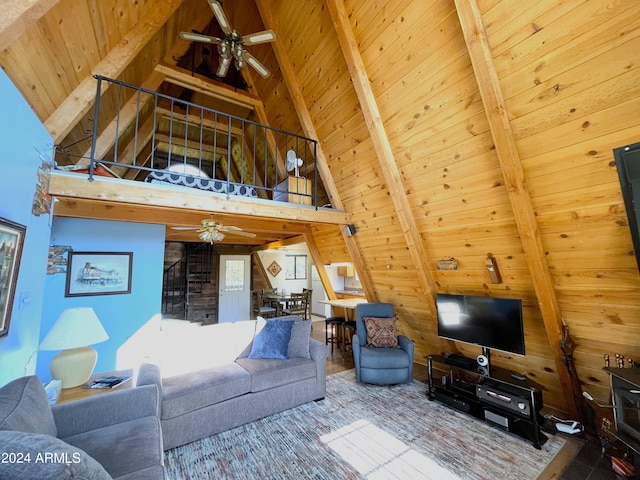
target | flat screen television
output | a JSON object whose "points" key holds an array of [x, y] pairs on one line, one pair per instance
{"points": [[494, 323]]}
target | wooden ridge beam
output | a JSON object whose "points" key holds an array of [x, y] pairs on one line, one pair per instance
{"points": [[80, 101], [382, 148], [477, 41]]}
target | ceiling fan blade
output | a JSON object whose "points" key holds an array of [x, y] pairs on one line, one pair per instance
{"points": [[220, 16], [198, 37], [265, 36], [227, 228], [251, 60], [185, 228], [240, 233]]}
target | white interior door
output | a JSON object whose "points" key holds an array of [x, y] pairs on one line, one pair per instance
{"points": [[234, 302]]}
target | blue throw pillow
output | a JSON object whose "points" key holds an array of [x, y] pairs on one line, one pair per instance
{"points": [[272, 341]]}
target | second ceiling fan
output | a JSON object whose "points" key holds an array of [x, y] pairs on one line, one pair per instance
{"points": [[232, 45]]}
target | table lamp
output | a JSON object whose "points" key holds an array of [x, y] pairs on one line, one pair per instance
{"points": [[73, 332]]}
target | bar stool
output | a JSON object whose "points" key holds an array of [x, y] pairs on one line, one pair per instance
{"points": [[332, 329], [349, 328]]}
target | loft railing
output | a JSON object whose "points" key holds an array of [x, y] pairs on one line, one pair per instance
{"points": [[138, 131]]}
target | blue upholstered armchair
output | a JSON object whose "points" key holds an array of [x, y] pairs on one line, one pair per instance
{"points": [[381, 366]]}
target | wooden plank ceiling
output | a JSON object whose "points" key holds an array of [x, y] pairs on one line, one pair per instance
{"points": [[447, 129]]}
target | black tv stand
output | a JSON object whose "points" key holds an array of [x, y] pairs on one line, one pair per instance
{"points": [[494, 395]]}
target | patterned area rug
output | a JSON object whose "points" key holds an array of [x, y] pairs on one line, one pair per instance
{"points": [[363, 432]]}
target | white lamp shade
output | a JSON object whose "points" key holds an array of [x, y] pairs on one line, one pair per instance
{"points": [[76, 327]]}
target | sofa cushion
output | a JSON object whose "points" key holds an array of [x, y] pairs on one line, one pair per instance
{"points": [[300, 334], [372, 357], [200, 388], [46, 458], [272, 340], [272, 373], [124, 448], [24, 406], [381, 332]]}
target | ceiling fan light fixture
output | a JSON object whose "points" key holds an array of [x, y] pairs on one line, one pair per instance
{"points": [[211, 236]]}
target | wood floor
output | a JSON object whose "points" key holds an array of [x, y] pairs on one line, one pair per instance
{"points": [[340, 360]]}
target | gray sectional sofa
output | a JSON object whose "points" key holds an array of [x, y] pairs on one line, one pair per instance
{"points": [[116, 435], [229, 388]]}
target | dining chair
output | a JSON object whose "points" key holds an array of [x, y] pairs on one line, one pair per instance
{"points": [[259, 307], [297, 305], [309, 293]]}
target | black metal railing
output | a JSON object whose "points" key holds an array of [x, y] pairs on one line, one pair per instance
{"points": [[148, 134]]}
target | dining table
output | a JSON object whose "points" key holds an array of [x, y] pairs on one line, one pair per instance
{"points": [[280, 299]]}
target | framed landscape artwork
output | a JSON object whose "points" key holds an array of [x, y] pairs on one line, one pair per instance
{"points": [[11, 241], [98, 273]]}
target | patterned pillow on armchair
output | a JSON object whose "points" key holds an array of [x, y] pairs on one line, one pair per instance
{"points": [[381, 332]]}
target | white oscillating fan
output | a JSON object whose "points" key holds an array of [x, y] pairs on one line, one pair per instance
{"points": [[293, 162]]}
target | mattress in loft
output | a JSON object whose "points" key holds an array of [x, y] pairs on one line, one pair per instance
{"points": [[208, 184]]}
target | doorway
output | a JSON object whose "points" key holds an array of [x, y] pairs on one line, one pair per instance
{"points": [[234, 302]]}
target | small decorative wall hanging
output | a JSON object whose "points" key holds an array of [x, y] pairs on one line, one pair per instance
{"points": [[58, 258], [274, 268], [492, 267], [447, 264]]}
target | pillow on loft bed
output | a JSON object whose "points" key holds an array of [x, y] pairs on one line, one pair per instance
{"points": [[200, 183]]}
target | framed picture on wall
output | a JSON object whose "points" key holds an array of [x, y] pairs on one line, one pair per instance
{"points": [[11, 241], [98, 273]]}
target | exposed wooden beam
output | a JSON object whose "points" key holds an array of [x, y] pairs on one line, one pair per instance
{"points": [[319, 263], [178, 217], [506, 149], [76, 105], [184, 78], [18, 15], [383, 149], [72, 185], [281, 243]]}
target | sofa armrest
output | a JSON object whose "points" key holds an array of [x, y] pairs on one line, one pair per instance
{"points": [[149, 374], [107, 409], [318, 351], [355, 346]]}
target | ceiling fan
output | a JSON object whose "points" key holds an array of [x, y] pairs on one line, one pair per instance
{"points": [[212, 231], [231, 45]]}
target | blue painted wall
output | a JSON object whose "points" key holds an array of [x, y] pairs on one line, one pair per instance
{"points": [[121, 315], [25, 143]]}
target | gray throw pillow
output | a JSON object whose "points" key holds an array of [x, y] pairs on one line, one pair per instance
{"points": [[299, 343], [42, 457], [24, 406], [300, 334]]}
